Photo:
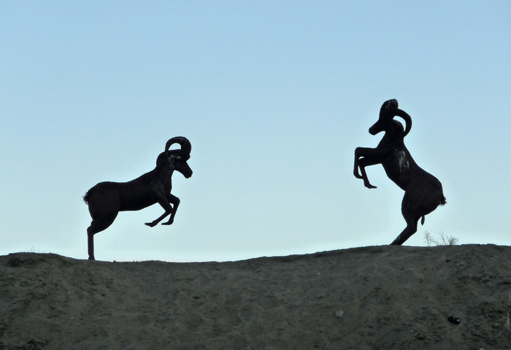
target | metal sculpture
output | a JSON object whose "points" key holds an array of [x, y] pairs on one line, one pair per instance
{"points": [[423, 191]]}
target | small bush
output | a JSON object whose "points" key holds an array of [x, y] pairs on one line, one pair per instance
{"points": [[444, 239]]}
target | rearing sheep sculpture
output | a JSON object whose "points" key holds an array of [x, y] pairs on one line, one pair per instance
{"points": [[423, 191], [107, 199]]}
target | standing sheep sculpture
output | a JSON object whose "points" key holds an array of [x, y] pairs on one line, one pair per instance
{"points": [[423, 191], [107, 199]]}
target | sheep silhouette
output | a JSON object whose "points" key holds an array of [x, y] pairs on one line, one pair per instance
{"points": [[423, 191], [107, 199]]}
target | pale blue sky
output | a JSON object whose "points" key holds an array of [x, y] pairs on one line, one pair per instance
{"points": [[274, 96]]}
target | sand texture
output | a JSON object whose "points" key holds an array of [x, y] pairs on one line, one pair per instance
{"points": [[384, 297]]}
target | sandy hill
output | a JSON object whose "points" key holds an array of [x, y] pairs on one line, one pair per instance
{"points": [[384, 297]]}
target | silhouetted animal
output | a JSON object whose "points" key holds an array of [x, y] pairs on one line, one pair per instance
{"points": [[107, 199], [423, 191]]}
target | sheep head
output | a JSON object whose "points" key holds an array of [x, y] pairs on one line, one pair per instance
{"points": [[388, 111], [177, 158]]}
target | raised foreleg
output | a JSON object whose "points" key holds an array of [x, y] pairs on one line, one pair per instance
{"points": [[175, 202], [365, 157], [170, 204], [168, 210]]}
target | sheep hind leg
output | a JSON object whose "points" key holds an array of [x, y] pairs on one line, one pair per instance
{"points": [[411, 214], [410, 229], [97, 225]]}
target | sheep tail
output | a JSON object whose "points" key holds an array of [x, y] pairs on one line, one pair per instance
{"points": [[86, 197]]}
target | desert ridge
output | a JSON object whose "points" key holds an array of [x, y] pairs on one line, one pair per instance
{"points": [[381, 297]]}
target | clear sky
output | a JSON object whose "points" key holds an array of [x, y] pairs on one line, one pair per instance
{"points": [[274, 97]]}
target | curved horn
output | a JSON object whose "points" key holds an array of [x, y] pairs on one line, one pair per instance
{"points": [[406, 117], [186, 146], [387, 106]]}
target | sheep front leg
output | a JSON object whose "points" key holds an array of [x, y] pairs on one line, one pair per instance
{"points": [[168, 210], [358, 155], [175, 202], [365, 157]]}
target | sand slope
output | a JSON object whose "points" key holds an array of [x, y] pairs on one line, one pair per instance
{"points": [[365, 298]]}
